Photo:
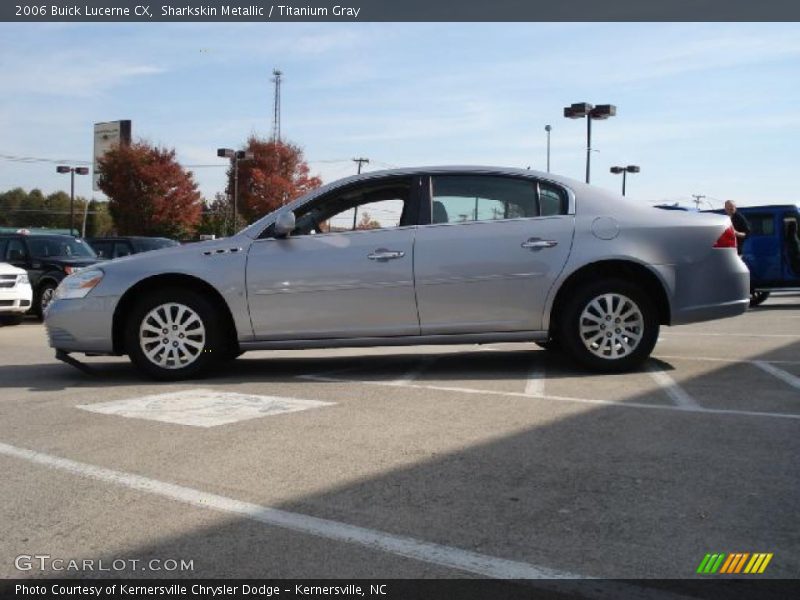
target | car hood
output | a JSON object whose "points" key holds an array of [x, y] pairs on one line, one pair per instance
{"points": [[66, 261], [7, 269], [161, 258]]}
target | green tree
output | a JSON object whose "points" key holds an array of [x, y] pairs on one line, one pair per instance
{"points": [[216, 217], [10, 203]]}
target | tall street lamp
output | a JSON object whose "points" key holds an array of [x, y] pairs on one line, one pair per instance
{"points": [[235, 156], [548, 129], [72, 172], [591, 113], [625, 171]]}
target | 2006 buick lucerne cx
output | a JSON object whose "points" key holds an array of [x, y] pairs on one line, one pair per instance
{"points": [[414, 256]]}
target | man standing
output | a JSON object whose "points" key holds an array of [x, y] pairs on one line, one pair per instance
{"points": [[740, 224]]}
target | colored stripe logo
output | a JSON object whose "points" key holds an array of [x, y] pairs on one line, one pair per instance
{"points": [[734, 563]]}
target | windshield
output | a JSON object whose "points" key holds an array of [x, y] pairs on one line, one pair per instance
{"points": [[61, 247]]}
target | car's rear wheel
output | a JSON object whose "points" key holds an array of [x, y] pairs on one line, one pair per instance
{"points": [[174, 334], [758, 297], [609, 326]]}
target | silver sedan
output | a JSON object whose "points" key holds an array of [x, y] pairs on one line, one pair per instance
{"points": [[414, 256]]}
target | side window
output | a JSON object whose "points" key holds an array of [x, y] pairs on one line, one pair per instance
{"points": [[102, 249], [465, 198], [16, 251], [122, 249], [552, 200], [761, 224], [381, 205]]}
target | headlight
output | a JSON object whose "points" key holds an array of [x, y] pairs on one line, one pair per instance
{"points": [[79, 284], [22, 279]]}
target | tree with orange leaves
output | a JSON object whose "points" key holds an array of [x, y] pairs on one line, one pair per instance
{"points": [[149, 192], [276, 175]]}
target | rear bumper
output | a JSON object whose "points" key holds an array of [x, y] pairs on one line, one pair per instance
{"points": [[81, 325], [716, 288]]}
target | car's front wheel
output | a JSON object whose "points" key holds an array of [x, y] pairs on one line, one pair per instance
{"points": [[45, 296], [174, 334], [609, 326]]}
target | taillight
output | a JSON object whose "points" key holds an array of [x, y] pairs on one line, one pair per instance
{"points": [[69, 270], [727, 239]]}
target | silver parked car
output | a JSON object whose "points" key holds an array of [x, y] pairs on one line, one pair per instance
{"points": [[414, 256]]}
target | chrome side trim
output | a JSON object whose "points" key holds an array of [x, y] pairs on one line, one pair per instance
{"points": [[406, 340]]}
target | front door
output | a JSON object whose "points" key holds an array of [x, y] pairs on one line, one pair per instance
{"points": [[346, 271]]}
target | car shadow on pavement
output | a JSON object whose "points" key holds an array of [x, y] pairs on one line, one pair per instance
{"points": [[480, 364], [603, 491]]}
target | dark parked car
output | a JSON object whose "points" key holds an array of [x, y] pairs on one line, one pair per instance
{"points": [[47, 258], [772, 250], [114, 247]]}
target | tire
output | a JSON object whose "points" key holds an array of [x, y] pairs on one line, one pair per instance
{"points": [[587, 314], [193, 342], [44, 296], [552, 345], [11, 319], [758, 297]]}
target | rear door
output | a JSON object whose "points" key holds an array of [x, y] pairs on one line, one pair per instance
{"points": [[492, 250]]}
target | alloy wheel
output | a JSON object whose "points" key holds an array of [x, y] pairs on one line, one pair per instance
{"points": [[172, 336], [611, 326]]}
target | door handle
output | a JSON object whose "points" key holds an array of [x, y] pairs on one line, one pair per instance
{"points": [[384, 254], [538, 244]]}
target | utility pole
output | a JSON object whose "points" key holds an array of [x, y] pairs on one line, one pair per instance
{"points": [[276, 106], [360, 162], [697, 198]]}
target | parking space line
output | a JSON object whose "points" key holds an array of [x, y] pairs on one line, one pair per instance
{"points": [[703, 333], [568, 399], [534, 386], [727, 360], [678, 395], [414, 373], [784, 376], [407, 547]]}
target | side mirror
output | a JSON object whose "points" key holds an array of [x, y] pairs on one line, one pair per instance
{"points": [[284, 224]]}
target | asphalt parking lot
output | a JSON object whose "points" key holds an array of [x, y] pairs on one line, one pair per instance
{"points": [[464, 461]]}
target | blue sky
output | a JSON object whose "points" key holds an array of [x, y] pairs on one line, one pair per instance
{"points": [[703, 108]]}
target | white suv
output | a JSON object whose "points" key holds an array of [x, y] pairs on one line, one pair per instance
{"points": [[15, 293]]}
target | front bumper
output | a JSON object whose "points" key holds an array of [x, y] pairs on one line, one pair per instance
{"points": [[82, 324], [16, 300]]}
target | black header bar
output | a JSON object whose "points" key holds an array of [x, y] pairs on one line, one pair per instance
{"points": [[399, 10]]}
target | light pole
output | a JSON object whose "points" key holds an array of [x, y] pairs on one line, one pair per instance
{"points": [[548, 129], [235, 156], [625, 171], [591, 113], [72, 172]]}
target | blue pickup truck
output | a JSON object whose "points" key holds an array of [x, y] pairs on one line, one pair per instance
{"points": [[772, 250]]}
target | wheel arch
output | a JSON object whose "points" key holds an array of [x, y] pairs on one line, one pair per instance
{"points": [[627, 270], [162, 281]]}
